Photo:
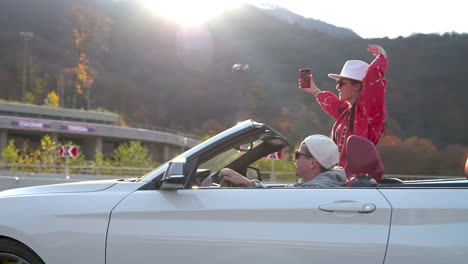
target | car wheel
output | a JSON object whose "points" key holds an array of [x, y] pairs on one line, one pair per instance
{"points": [[12, 252]]}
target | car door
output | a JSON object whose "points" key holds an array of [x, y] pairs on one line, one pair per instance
{"points": [[239, 225], [429, 225]]}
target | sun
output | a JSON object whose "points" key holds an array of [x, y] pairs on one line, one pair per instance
{"points": [[189, 12]]}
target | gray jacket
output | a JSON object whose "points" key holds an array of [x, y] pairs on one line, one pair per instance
{"points": [[335, 177]]}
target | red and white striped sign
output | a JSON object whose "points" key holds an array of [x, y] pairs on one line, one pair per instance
{"points": [[68, 151], [275, 156]]}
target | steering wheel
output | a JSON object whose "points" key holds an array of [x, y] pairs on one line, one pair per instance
{"points": [[222, 183]]}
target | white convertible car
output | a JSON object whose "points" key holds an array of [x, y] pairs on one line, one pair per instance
{"points": [[181, 213]]}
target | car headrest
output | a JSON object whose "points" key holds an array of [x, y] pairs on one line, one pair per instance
{"points": [[363, 158]]}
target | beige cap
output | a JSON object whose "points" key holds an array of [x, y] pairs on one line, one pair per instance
{"points": [[323, 149]]}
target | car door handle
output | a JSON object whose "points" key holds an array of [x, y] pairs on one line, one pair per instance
{"points": [[348, 206]]}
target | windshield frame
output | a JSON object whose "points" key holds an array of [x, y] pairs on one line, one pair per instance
{"points": [[221, 160], [227, 134]]}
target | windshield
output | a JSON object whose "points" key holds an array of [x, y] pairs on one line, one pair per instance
{"points": [[156, 173], [223, 159]]}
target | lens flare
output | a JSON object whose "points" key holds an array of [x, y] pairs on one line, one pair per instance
{"points": [[189, 12]]}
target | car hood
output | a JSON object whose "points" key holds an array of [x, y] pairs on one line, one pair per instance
{"points": [[87, 186]]}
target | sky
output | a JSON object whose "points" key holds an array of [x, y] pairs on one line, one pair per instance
{"points": [[368, 18], [378, 19]]}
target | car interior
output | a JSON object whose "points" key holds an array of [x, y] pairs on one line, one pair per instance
{"points": [[364, 162]]}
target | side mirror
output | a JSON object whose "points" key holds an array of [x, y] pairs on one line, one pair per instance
{"points": [[174, 177], [253, 174]]}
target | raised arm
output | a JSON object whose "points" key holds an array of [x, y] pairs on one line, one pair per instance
{"points": [[371, 102], [329, 102], [376, 50], [372, 95]]}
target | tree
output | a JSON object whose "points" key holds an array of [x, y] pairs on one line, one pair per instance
{"points": [[10, 154], [132, 154], [84, 77], [37, 81], [452, 160], [47, 153], [52, 100], [412, 156], [101, 161], [91, 32]]}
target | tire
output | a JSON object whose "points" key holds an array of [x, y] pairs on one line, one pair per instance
{"points": [[12, 251]]}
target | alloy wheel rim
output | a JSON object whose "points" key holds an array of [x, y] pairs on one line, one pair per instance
{"points": [[7, 258]]}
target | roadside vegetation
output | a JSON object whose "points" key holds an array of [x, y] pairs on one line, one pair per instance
{"points": [[411, 156], [131, 159]]}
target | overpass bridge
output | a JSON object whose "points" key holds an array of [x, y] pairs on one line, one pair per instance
{"points": [[90, 130]]}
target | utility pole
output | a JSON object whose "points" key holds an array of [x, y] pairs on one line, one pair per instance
{"points": [[60, 88], [242, 70], [183, 143], [26, 36]]}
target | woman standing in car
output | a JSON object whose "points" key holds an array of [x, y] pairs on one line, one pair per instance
{"points": [[360, 108]]}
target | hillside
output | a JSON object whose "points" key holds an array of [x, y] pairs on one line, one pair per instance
{"points": [[152, 71], [291, 18]]}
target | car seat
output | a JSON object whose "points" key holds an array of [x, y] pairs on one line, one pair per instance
{"points": [[363, 162]]}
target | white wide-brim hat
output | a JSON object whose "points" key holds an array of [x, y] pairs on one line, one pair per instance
{"points": [[352, 69]]}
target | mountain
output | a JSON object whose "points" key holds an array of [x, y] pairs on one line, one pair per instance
{"points": [[289, 17], [155, 72]]}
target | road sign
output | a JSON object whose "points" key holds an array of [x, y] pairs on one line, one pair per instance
{"points": [[275, 156], [68, 151]]}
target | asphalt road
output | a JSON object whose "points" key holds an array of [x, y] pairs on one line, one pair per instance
{"points": [[18, 180]]}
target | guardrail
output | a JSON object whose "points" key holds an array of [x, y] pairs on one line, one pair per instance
{"points": [[272, 176]]}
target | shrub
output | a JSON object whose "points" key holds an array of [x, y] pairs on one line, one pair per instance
{"points": [[132, 154], [10, 154]]}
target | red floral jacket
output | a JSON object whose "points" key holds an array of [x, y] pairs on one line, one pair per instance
{"points": [[370, 111]]}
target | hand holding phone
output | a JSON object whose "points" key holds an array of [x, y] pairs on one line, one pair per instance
{"points": [[304, 78]]}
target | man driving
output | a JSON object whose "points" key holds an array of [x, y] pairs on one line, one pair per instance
{"points": [[316, 162]]}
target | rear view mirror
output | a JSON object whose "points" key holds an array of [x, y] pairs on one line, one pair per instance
{"points": [[174, 177], [245, 147]]}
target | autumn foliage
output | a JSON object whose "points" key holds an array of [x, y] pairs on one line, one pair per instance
{"points": [[90, 35], [418, 156]]}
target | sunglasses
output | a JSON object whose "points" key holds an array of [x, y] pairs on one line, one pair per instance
{"points": [[340, 83], [297, 154]]}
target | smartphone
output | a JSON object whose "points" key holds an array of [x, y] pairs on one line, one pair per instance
{"points": [[304, 78]]}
